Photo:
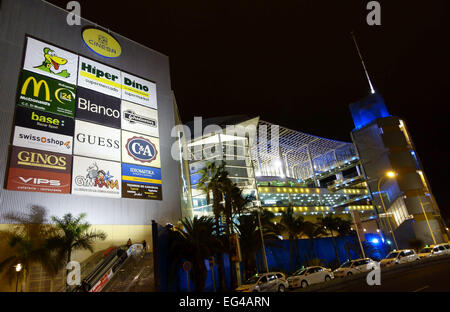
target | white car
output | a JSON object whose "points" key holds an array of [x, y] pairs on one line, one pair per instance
{"points": [[435, 250], [308, 276], [351, 267], [265, 282], [399, 257]]}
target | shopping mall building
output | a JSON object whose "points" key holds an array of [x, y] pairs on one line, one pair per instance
{"points": [[376, 181], [88, 116]]}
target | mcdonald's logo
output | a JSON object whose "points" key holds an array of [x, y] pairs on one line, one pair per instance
{"points": [[37, 87]]}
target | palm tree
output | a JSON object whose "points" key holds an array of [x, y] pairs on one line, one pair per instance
{"points": [[211, 182], [293, 226], [250, 240], [333, 225], [313, 231], [73, 234], [195, 243], [27, 245]]}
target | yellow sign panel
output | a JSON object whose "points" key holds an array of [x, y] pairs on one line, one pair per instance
{"points": [[101, 43]]}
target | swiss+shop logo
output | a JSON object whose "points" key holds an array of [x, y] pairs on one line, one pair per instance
{"points": [[141, 149]]}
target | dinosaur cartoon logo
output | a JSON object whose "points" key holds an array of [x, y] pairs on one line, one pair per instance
{"points": [[52, 63]]}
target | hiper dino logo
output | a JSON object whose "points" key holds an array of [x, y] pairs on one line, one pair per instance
{"points": [[141, 149]]}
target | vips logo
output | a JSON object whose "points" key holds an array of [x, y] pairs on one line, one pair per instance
{"points": [[96, 141], [58, 143], [96, 177], [38, 181], [44, 121], [98, 108], [40, 160], [46, 94], [141, 149], [139, 119]]}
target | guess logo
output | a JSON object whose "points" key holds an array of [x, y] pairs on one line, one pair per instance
{"points": [[141, 149]]}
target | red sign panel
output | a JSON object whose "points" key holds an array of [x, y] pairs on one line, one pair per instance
{"points": [[29, 180]]}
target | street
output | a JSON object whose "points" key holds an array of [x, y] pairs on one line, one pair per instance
{"points": [[431, 276]]}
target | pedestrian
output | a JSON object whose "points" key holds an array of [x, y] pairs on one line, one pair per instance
{"points": [[144, 245], [129, 243]]}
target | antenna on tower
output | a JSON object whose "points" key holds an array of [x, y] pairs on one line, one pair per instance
{"points": [[372, 90]]}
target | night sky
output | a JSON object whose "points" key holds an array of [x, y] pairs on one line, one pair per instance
{"points": [[294, 63]]}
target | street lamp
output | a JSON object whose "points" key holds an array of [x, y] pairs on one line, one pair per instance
{"points": [[18, 269], [391, 175]]}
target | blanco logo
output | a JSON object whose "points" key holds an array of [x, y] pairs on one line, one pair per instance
{"points": [[39, 181], [84, 104]]}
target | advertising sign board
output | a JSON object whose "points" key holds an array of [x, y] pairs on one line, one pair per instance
{"points": [[97, 141], [95, 177], [46, 94], [28, 158], [141, 182], [30, 180], [48, 60], [99, 77], [138, 90], [139, 119], [39, 120], [140, 149], [42, 140], [98, 108]]}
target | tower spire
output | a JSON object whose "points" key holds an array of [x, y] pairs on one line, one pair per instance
{"points": [[372, 90]]}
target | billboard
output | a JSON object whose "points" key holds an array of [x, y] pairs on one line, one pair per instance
{"points": [[140, 149], [99, 77], [51, 61], [95, 177], [139, 119], [39, 120], [44, 140], [31, 180], [138, 90], [28, 158], [42, 93], [98, 108], [97, 141], [141, 182]]}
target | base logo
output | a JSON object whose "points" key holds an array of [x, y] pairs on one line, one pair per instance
{"points": [[38, 181], [39, 120], [95, 177]]}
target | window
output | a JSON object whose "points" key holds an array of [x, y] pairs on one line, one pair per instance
{"points": [[402, 254], [279, 275], [263, 279], [399, 211], [441, 248], [272, 277]]}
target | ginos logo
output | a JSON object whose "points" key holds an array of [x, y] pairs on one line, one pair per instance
{"points": [[141, 149], [38, 182], [86, 105], [41, 160], [95, 140]]}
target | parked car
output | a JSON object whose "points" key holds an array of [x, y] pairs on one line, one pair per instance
{"points": [[310, 275], [435, 250], [399, 256], [265, 282], [351, 267]]}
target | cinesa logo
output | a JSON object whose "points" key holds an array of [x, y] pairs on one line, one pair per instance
{"points": [[141, 149], [95, 140], [84, 104]]}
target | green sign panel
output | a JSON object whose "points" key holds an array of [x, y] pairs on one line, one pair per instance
{"points": [[46, 94]]}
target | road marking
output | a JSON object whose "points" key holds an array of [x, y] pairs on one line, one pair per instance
{"points": [[422, 288]]}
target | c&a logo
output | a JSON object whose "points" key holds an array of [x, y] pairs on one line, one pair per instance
{"points": [[141, 149]]}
